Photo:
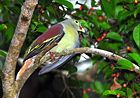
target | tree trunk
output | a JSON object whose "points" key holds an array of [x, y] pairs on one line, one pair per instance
{"points": [[10, 87]]}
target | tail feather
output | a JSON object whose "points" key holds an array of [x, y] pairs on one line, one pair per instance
{"points": [[25, 66]]}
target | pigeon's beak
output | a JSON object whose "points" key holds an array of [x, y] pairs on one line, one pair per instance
{"points": [[82, 29]]}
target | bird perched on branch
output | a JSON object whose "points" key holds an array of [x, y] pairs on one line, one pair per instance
{"points": [[61, 36]]}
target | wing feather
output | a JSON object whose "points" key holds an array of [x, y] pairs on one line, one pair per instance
{"points": [[53, 35]]}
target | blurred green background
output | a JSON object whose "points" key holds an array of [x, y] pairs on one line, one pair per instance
{"points": [[114, 25]]}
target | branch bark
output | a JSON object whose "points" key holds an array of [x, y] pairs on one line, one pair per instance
{"points": [[100, 52], [96, 51], [8, 77]]}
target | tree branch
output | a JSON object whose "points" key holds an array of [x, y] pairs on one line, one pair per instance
{"points": [[20, 82], [100, 52], [96, 51], [8, 77]]}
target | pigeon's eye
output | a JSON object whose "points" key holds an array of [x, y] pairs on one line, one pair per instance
{"points": [[76, 21]]}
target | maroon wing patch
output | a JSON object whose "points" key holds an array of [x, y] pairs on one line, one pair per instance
{"points": [[53, 31]]}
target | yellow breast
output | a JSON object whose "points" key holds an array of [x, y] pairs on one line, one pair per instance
{"points": [[69, 40]]}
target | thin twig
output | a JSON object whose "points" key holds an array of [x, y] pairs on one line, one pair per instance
{"points": [[66, 87]]}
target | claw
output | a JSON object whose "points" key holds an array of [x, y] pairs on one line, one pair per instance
{"points": [[52, 56]]}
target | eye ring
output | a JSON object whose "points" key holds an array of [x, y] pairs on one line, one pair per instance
{"points": [[76, 21]]}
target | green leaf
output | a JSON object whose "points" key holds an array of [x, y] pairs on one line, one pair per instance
{"points": [[64, 2], [124, 64], [33, 27], [137, 10], [35, 23], [137, 87], [9, 32], [93, 2], [15, 9], [99, 12], [136, 35], [124, 14], [135, 57], [85, 96], [41, 29], [114, 46], [101, 66], [129, 76], [2, 27], [3, 53], [84, 24], [114, 36], [51, 10], [108, 72], [85, 42], [104, 25], [129, 93], [117, 10], [91, 34], [114, 92], [99, 87], [108, 6]]}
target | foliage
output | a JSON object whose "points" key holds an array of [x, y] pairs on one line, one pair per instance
{"points": [[115, 27]]}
